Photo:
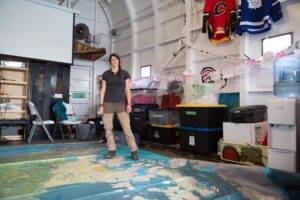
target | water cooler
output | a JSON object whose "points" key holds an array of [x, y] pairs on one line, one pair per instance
{"points": [[284, 134], [284, 116]]}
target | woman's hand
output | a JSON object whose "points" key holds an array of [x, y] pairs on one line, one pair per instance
{"points": [[128, 108], [100, 110]]}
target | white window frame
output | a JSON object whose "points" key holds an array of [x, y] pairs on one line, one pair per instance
{"points": [[276, 43], [142, 71]]}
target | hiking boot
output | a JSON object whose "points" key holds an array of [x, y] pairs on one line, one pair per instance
{"points": [[110, 154], [134, 155]]}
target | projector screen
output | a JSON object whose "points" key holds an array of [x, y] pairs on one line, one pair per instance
{"points": [[36, 30]]}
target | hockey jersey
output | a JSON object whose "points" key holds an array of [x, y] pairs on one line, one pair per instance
{"points": [[254, 16], [219, 19]]}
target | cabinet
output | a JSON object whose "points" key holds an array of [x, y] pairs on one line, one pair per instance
{"points": [[13, 92]]}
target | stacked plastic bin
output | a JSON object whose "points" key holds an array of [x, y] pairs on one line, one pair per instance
{"points": [[170, 101], [163, 125], [143, 96], [163, 121], [200, 127], [139, 119], [143, 99]]}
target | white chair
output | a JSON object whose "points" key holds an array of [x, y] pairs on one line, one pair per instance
{"points": [[37, 121], [69, 122]]}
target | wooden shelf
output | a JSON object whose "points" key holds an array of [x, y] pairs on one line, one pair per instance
{"points": [[13, 97], [13, 68], [13, 111], [14, 87], [13, 137], [8, 82]]}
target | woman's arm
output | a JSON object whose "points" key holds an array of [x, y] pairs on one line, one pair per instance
{"points": [[128, 95], [102, 93]]}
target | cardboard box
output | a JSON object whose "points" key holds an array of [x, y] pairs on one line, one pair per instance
{"points": [[245, 133], [244, 153]]}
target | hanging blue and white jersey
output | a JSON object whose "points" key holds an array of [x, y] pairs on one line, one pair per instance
{"points": [[254, 16]]}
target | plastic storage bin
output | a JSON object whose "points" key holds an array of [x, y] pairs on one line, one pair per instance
{"points": [[143, 99], [121, 139], [201, 115], [169, 101], [143, 96], [164, 117], [199, 140], [163, 134], [87, 131], [140, 125], [143, 109]]}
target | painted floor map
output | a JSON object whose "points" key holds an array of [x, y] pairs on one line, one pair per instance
{"points": [[79, 171]]}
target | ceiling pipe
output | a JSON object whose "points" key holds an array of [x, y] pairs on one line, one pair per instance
{"points": [[107, 14]]}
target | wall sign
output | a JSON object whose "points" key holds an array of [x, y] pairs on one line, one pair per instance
{"points": [[79, 95]]}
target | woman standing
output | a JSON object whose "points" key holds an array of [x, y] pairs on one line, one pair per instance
{"points": [[115, 89]]}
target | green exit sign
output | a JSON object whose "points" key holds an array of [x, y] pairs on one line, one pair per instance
{"points": [[79, 95]]}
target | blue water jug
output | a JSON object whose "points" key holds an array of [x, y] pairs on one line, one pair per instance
{"points": [[286, 77]]}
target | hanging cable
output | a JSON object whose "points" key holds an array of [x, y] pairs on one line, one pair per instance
{"points": [[219, 56]]}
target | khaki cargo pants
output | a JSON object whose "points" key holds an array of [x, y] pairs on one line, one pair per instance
{"points": [[108, 115]]}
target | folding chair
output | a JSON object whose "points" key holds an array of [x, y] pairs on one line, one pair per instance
{"points": [[68, 121], [37, 121]]}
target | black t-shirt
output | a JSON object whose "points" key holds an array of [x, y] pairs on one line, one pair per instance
{"points": [[115, 86]]}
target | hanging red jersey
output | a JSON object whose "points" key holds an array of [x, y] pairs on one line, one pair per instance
{"points": [[219, 19]]}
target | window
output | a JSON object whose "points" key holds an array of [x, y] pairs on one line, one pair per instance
{"points": [[145, 71], [277, 43]]}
